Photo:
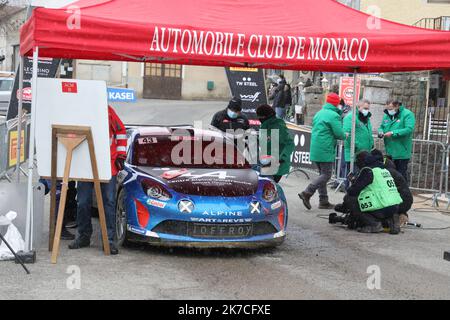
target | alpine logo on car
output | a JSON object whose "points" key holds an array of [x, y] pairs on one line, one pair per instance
{"points": [[223, 213], [212, 220], [255, 207]]}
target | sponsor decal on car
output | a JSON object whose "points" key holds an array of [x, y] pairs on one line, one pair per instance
{"points": [[275, 205], [147, 140], [172, 174], [136, 230], [156, 203]]}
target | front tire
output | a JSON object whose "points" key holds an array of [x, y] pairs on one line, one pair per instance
{"points": [[121, 220]]}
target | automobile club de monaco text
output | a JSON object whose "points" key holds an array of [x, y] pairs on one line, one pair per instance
{"points": [[228, 44]]}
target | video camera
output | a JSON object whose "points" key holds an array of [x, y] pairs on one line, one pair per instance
{"points": [[346, 219]]}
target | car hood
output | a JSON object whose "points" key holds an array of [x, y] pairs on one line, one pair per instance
{"points": [[207, 182]]}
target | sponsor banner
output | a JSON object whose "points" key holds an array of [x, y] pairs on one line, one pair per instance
{"points": [[121, 95], [47, 68], [249, 85], [302, 140], [346, 89]]}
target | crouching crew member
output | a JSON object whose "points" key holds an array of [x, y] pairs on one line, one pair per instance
{"points": [[402, 186], [118, 144], [373, 198]]}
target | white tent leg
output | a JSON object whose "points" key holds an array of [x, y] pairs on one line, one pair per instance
{"points": [[19, 116], [30, 211], [354, 114]]}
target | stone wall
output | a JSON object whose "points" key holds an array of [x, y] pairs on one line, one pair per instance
{"points": [[314, 100], [377, 91], [407, 87]]}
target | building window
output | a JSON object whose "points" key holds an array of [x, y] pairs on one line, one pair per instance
{"points": [[163, 70]]}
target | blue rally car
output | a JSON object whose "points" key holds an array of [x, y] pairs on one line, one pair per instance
{"points": [[179, 189]]}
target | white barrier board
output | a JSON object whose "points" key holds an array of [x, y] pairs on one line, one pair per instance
{"points": [[74, 103]]}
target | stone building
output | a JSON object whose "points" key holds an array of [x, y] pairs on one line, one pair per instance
{"points": [[12, 16]]}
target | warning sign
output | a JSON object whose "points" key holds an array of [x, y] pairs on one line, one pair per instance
{"points": [[346, 89]]}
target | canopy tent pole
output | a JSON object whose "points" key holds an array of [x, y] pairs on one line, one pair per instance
{"points": [[30, 211], [354, 114], [20, 115]]}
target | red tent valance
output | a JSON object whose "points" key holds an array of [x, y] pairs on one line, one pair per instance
{"points": [[291, 34]]}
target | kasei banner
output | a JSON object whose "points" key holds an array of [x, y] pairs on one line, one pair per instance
{"points": [[249, 85], [47, 68]]}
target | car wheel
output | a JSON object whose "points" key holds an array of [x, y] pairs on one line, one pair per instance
{"points": [[121, 220]]}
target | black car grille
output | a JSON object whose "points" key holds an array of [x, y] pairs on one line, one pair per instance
{"points": [[181, 228]]}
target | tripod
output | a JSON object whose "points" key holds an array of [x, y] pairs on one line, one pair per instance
{"points": [[14, 253]]}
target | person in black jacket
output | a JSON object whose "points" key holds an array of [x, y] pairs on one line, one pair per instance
{"points": [[368, 222], [231, 118], [279, 97]]}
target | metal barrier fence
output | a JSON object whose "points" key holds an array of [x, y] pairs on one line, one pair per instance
{"points": [[8, 145], [428, 167], [3, 149]]}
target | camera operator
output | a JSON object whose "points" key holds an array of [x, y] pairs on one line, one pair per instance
{"points": [[372, 198], [402, 186]]}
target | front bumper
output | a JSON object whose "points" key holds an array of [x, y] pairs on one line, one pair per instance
{"points": [[160, 240]]}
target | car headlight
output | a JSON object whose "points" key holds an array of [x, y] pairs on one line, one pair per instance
{"points": [[155, 190], [270, 192]]}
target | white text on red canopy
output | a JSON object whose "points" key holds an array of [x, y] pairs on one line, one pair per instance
{"points": [[228, 44]]}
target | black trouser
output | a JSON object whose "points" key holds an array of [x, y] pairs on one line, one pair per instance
{"points": [[368, 218], [402, 167]]}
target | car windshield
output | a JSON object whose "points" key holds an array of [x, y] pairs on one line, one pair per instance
{"points": [[186, 152], [6, 84]]}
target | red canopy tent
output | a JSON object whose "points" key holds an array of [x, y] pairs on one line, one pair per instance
{"points": [[291, 34], [308, 35]]}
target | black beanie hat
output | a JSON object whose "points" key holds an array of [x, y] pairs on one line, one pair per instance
{"points": [[265, 111], [235, 104], [361, 159]]}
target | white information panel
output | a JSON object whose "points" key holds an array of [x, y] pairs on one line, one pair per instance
{"points": [[74, 103]]}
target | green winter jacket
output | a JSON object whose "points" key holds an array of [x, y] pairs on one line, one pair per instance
{"points": [[326, 130], [286, 142], [399, 146], [363, 135]]}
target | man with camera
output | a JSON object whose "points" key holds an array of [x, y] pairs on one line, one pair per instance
{"points": [[372, 200]]}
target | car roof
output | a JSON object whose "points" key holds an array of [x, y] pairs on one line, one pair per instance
{"points": [[168, 131]]}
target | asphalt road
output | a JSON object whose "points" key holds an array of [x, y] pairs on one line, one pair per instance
{"points": [[317, 261]]}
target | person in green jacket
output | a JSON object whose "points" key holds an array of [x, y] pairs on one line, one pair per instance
{"points": [[282, 160], [363, 132], [326, 130], [397, 129]]}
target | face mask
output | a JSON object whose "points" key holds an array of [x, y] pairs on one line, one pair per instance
{"points": [[232, 114], [364, 112], [392, 112]]}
